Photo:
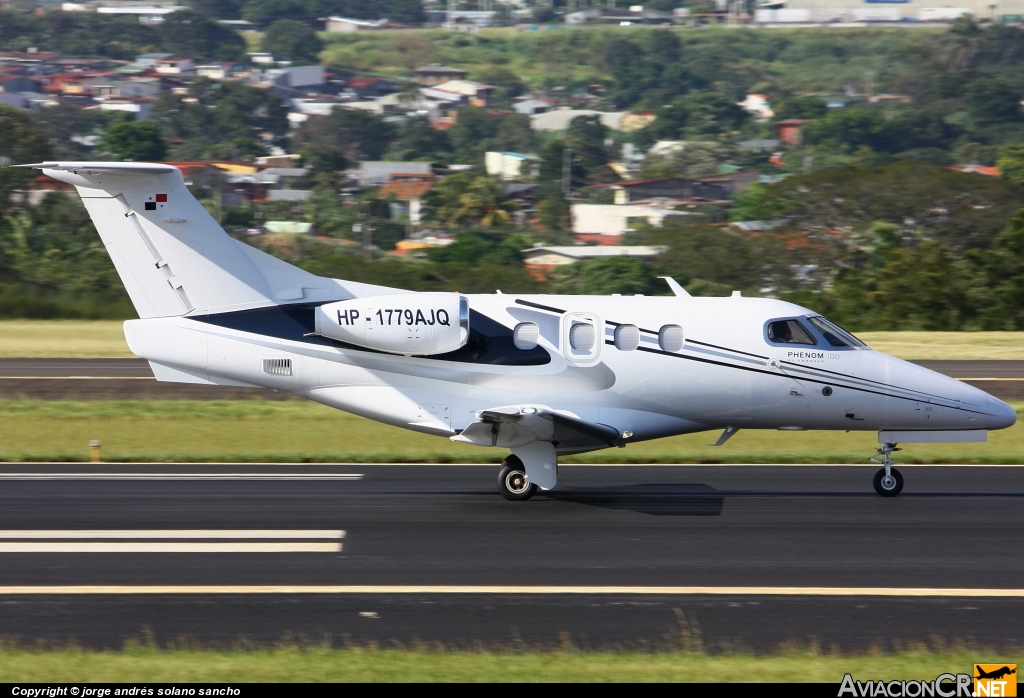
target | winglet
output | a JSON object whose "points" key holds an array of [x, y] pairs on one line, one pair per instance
{"points": [[676, 288]]}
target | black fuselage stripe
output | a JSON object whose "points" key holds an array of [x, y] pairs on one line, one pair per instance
{"points": [[540, 307], [810, 380]]}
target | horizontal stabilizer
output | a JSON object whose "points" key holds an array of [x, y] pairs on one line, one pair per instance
{"points": [[172, 256]]}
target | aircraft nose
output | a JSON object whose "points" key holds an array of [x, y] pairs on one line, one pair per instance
{"points": [[1001, 415]]}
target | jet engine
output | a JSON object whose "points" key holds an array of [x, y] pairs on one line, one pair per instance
{"points": [[408, 323]]}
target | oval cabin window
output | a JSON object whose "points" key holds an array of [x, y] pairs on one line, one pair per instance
{"points": [[670, 338], [525, 335], [627, 337], [581, 337]]}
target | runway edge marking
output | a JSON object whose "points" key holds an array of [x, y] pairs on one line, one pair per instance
{"points": [[510, 590]]}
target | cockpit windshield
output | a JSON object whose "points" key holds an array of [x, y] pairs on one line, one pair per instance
{"points": [[834, 334], [789, 332]]}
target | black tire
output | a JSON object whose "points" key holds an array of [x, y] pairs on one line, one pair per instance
{"points": [[512, 481], [894, 488]]}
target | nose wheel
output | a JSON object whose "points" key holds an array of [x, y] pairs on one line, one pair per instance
{"points": [[888, 481], [512, 482]]}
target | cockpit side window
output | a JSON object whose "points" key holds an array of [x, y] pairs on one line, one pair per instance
{"points": [[834, 334], [789, 332]]}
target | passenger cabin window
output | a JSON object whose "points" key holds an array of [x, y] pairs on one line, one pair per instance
{"points": [[834, 334], [789, 332]]}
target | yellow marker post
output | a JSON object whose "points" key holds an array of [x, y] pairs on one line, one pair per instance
{"points": [[94, 450]]}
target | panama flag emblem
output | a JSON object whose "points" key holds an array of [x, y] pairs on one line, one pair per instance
{"points": [[156, 201]]}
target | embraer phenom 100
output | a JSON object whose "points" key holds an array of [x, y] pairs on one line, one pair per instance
{"points": [[542, 376]]}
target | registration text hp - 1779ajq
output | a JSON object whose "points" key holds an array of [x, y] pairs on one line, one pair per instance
{"points": [[540, 376]]}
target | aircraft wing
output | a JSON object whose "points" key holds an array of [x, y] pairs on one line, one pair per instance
{"points": [[519, 425]]}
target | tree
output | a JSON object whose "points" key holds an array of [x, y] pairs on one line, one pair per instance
{"points": [[293, 40], [801, 108], [919, 289], [217, 9], [192, 34], [134, 140], [466, 199], [420, 141], [694, 159], [1011, 163], [353, 135], [268, 11], [20, 142], [603, 276], [993, 101]]}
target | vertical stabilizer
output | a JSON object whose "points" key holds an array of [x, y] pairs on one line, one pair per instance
{"points": [[172, 256]]}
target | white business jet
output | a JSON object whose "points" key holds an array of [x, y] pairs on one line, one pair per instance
{"points": [[542, 376]]}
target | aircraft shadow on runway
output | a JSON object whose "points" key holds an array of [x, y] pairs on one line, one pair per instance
{"points": [[655, 499]]}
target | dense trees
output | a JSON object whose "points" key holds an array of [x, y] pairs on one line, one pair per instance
{"points": [[292, 40], [134, 140]]}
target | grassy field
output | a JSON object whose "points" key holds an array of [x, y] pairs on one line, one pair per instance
{"points": [[71, 339], [292, 431], [312, 665], [87, 339]]}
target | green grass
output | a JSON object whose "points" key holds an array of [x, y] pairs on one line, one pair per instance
{"points": [[293, 431], [71, 339], [348, 665], [88, 339]]}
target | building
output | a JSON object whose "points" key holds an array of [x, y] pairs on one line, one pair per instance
{"points": [[789, 130], [148, 15], [559, 119], [676, 188], [510, 165], [369, 88], [733, 182], [532, 106], [375, 173], [296, 77], [475, 94], [217, 70], [436, 74], [175, 66], [542, 260], [605, 223], [346, 25], [409, 188], [757, 104], [148, 60]]}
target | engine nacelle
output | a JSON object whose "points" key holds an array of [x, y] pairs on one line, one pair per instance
{"points": [[408, 323]]}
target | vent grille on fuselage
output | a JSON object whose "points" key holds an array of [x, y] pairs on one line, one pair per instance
{"points": [[277, 367]]}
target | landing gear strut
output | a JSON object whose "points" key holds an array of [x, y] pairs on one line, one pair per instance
{"points": [[512, 481], [888, 481]]}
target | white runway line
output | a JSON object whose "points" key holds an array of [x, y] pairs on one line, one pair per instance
{"points": [[169, 533], [515, 590], [183, 476], [171, 541], [161, 547]]}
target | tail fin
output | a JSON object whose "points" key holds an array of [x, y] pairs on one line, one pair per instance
{"points": [[172, 256]]}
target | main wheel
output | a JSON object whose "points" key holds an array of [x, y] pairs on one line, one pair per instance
{"points": [[888, 486], [512, 481]]}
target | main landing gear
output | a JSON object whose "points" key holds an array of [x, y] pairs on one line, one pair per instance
{"points": [[888, 481], [512, 481]]}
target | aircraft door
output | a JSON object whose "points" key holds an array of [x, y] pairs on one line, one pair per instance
{"points": [[582, 337]]}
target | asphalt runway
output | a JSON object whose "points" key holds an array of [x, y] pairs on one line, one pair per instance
{"points": [[129, 379], [627, 556]]}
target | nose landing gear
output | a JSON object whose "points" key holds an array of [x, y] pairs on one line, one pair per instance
{"points": [[888, 481]]}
